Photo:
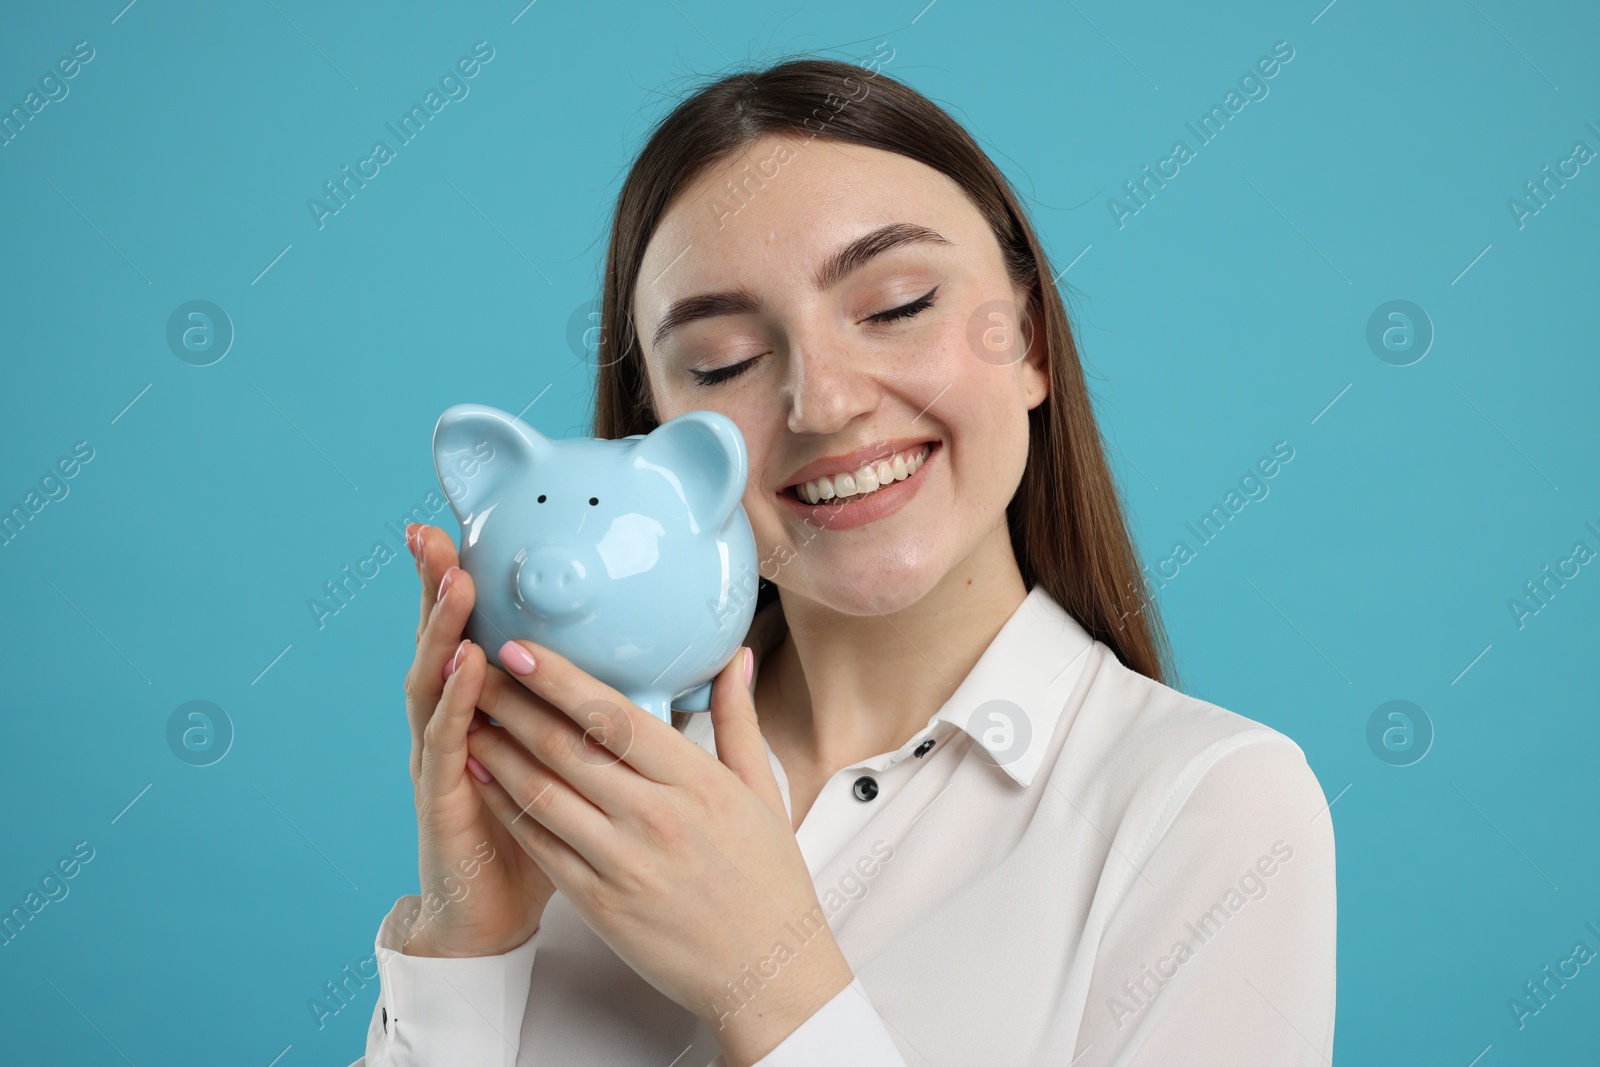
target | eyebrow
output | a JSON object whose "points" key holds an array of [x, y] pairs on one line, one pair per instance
{"points": [[851, 257]]}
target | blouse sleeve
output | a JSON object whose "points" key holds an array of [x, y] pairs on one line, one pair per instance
{"points": [[1222, 953], [435, 1010], [847, 1031]]}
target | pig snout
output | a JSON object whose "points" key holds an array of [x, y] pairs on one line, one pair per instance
{"points": [[553, 582]]}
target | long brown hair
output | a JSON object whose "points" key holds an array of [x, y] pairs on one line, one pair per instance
{"points": [[1066, 520]]}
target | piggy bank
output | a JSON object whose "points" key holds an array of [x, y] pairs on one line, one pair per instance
{"points": [[633, 558]]}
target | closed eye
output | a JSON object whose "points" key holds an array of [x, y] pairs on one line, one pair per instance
{"points": [[722, 374], [904, 311]]}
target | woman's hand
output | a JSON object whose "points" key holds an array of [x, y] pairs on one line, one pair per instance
{"points": [[482, 894], [684, 863]]}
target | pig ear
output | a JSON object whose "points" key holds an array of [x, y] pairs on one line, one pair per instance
{"points": [[702, 455], [477, 450]]}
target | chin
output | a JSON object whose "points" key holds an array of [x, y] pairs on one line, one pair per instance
{"points": [[871, 588]]}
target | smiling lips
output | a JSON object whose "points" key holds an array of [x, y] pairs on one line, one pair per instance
{"points": [[847, 487]]}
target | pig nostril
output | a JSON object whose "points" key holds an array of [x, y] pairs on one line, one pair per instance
{"points": [[594, 500], [541, 498]]}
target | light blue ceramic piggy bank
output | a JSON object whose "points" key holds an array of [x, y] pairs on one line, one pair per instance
{"points": [[632, 558]]}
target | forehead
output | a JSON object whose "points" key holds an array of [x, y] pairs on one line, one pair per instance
{"points": [[777, 207]]}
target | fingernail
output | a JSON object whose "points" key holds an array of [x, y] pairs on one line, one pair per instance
{"points": [[475, 725], [444, 583], [479, 771], [411, 538], [517, 659], [749, 665], [455, 660]]}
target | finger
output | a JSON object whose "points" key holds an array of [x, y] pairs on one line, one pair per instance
{"points": [[567, 871], [737, 733], [444, 739], [419, 556], [436, 553], [440, 639], [539, 805], [574, 746], [644, 742]]}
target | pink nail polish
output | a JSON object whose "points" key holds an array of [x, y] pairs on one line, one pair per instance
{"points": [[444, 583], [455, 660], [411, 539], [479, 771], [749, 665], [517, 659], [475, 725]]}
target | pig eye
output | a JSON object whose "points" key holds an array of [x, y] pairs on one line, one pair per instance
{"points": [[594, 500], [541, 498]]}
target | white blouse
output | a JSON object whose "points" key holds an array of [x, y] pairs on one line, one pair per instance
{"points": [[1112, 873]]}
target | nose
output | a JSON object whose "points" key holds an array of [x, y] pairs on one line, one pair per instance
{"points": [[553, 582], [830, 384]]}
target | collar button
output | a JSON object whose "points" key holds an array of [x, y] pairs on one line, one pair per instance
{"points": [[922, 749], [866, 787]]}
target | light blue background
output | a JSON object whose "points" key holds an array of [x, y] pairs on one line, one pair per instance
{"points": [[1225, 316]]}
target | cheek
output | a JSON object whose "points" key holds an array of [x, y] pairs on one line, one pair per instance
{"points": [[669, 400], [989, 433]]}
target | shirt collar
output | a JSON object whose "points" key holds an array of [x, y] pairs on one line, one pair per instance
{"points": [[1011, 700]]}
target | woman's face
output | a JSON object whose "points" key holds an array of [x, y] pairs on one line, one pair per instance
{"points": [[906, 348]]}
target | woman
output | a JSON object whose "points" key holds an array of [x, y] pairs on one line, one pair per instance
{"points": [[945, 811]]}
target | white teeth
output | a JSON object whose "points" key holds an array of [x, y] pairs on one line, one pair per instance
{"points": [[869, 478]]}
